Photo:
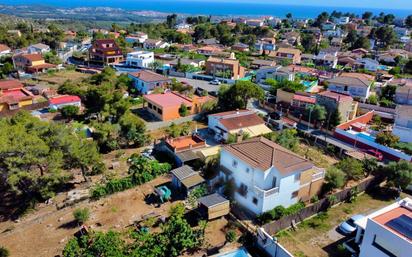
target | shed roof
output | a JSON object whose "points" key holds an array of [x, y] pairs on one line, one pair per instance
{"points": [[183, 172], [212, 200]]}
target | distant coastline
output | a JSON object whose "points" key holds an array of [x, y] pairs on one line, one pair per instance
{"points": [[206, 8]]}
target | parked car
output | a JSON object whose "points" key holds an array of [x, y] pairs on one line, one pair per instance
{"points": [[375, 153], [348, 227], [215, 82]]}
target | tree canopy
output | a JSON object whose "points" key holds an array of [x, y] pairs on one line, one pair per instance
{"points": [[237, 96]]}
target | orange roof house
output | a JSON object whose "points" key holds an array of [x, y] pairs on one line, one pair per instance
{"points": [[31, 63], [166, 106], [13, 95]]}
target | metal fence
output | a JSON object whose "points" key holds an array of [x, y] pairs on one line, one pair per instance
{"points": [[321, 206]]}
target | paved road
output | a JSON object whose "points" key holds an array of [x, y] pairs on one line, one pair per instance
{"points": [[199, 84]]}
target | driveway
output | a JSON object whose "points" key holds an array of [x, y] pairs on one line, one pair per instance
{"points": [[199, 84]]}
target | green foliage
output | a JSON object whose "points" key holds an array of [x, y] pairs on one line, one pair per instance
{"points": [[237, 96], [373, 99], [81, 215], [36, 156], [141, 170], [183, 111], [399, 174], [279, 211], [231, 236], [335, 178], [286, 85], [179, 130], [287, 138], [4, 252], [69, 111], [405, 147], [316, 113], [352, 168], [387, 138]]}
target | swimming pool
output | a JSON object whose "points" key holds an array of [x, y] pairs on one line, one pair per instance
{"points": [[366, 136], [309, 84], [241, 252]]}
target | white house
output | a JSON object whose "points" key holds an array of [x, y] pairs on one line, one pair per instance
{"points": [[267, 175], [59, 102], [328, 26], [234, 122], [38, 48], [403, 123], [343, 20], [354, 84], [386, 232], [138, 37], [155, 44], [277, 73], [140, 59], [4, 50], [369, 64]]}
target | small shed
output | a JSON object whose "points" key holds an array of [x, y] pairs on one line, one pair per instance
{"points": [[214, 206], [186, 179]]}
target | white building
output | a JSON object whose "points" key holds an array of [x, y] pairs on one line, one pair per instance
{"points": [[354, 84], [343, 20], [403, 123], [155, 44], [386, 232], [38, 48], [138, 37], [369, 64], [140, 59], [267, 175]]}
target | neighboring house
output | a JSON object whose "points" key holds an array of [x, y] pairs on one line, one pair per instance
{"points": [[353, 84], [401, 32], [31, 63], [334, 101], [385, 232], [236, 122], [210, 50], [138, 37], [403, 123], [145, 81], [185, 179], [267, 175], [140, 59], [185, 61], [265, 44], [240, 47], [259, 63], [59, 102], [13, 95], [302, 102], [368, 64], [105, 52], [255, 22], [277, 73], [4, 50], [336, 42], [343, 20], [228, 68], [155, 44], [403, 93], [166, 106], [328, 26], [290, 54], [38, 49], [14, 32]]}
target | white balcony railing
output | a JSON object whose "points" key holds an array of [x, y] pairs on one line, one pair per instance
{"points": [[268, 192], [319, 175]]}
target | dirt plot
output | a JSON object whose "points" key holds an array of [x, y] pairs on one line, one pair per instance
{"points": [[45, 231], [61, 76]]}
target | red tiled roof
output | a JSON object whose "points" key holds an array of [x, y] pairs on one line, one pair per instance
{"points": [[338, 97], [33, 57], [64, 99], [263, 154], [306, 99], [10, 84], [241, 121], [170, 99], [148, 76], [4, 48], [228, 113]]}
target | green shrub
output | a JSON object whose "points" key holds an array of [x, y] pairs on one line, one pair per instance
{"points": [[81, 215], [4, 252], [279, 211], [231, 236]]}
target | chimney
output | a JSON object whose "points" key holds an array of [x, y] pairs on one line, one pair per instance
{"points": [[239, 137]]}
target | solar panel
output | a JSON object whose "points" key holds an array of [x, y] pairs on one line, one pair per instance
{"points": [[402, 224]]}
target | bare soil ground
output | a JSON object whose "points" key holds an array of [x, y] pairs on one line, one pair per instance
{"points": [[61, 76]]}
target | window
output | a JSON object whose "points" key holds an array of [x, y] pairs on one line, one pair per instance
{"points": [[234, 164], [255, 200], [274, 182], [297, 177], [150, 105], [159, 111], [379, 244], [295, 194], [247, 170], [242, 190]]}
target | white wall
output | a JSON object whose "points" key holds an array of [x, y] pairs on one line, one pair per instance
{"points": [[404, 134], [389, 240], [270, 245]]}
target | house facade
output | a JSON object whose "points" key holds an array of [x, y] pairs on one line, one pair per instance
{"points": [[13, 95], [353, 84], [145, 81], [140, 59], [59, 102], [38, 49], [155, 44], [267, 175], [31, 63], [224, 67], [334, 101], [289, 54], [403, 123], [105, 52]]}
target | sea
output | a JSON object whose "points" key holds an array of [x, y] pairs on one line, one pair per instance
{"points": [[218, 8]]}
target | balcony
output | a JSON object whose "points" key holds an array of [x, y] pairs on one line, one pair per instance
{"points": [[267, 193], [320, 174]]}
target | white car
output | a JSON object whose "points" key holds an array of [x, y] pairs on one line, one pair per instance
{"points": [[215, 82]]}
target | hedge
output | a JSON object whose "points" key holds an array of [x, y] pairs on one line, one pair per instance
{"points": [[279, 212]]}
